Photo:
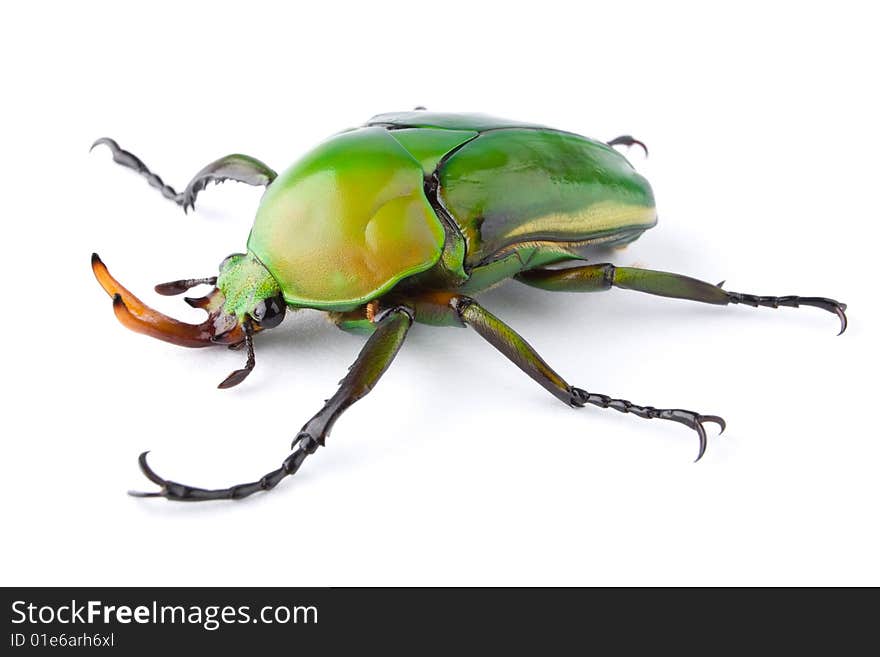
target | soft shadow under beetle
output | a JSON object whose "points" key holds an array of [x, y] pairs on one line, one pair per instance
{"points": [[404, 220]]}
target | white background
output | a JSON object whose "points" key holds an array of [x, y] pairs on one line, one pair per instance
{"points": [[762, 124]]}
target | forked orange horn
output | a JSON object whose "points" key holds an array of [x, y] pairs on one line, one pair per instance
{"points": [[139, 317]]}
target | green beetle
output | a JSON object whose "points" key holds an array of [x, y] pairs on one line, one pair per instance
{"points": [[403, 220]]}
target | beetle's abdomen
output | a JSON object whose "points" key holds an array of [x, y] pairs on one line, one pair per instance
{"points": [[514, 187], [347, 222]]}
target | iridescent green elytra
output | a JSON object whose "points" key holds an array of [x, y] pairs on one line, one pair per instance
{"points": [[371, 207], [401, 221]]}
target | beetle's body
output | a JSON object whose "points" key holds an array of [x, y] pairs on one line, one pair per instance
{"points": [[463, 201], [403, 220]]}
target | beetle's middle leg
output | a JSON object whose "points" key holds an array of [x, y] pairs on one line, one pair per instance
{"points": [[447, 309], [595, 278], [241, 168], [392, 326]]}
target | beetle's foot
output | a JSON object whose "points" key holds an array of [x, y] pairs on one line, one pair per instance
{"points": [[628, 141], [177, 492], [171, 490], [131, 161], [690, 419], [695, 421], [828, 305]]}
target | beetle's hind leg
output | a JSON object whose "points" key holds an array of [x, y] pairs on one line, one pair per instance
{"points": [[596, 278], [628, 141], [241, 168]]}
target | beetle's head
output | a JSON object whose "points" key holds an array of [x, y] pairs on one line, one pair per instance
{"points": [[247, 293], [246, 299]]}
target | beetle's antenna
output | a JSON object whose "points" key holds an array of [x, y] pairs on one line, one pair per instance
{"points": [[240, 375], [173, 288]]}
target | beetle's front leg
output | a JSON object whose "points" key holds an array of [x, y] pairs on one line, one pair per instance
{"points": [[392, 326], [241, 168], [595, 278]]}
